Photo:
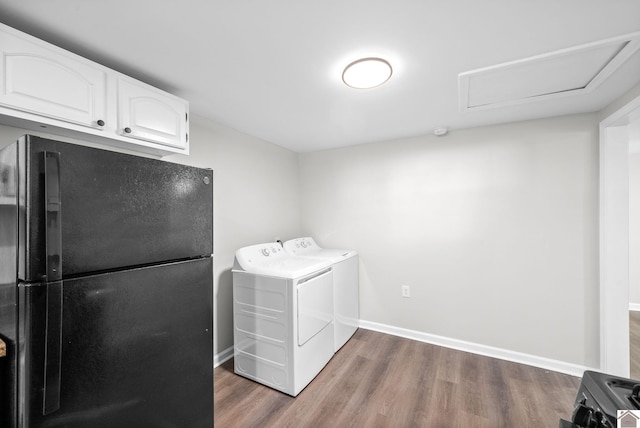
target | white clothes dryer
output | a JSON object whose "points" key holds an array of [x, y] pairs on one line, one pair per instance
{"points": [[282, 317], [346, 284]]}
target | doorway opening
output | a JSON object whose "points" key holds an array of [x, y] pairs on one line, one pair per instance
{"points": [[616, 133]]}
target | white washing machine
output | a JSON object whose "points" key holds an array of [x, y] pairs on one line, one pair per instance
{"points": [[282, 317], [346, 284]]}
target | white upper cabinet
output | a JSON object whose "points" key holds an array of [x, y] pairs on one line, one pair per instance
{"points": [[46, 88], [40, 81], [149, 114]]}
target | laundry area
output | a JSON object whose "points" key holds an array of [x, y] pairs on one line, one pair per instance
{"points": [[422, 213]]}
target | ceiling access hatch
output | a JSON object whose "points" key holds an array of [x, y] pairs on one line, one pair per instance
{"points": [[572, 71]]}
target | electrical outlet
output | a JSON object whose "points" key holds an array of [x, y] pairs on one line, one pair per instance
{"points": [[406, 291]]}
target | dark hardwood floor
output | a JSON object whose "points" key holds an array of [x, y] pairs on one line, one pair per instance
{"points": [[379, 380], [634, 343]]}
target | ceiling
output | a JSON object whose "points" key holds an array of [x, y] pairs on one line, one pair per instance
{"points": [[272, 69]]}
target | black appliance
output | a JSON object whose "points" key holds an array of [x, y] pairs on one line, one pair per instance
{"points": [[599, 398], [105, 289]]}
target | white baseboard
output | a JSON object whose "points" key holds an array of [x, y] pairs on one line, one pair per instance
{"points": [[461, 345], [475, 348], [222, 356], [634, 306]]}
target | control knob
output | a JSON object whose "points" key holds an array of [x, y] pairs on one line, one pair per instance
{"points": [[583, 416]]}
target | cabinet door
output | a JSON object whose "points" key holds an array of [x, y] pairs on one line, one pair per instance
{"points": [[44, 80], [149, 114]]}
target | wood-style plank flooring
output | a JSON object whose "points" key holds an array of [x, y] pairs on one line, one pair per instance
{"points": [[634, 343], [379, 380]]}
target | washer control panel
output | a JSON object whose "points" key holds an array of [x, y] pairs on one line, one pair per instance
{"points": [[271, 259], [270, 250], [260, 253]]}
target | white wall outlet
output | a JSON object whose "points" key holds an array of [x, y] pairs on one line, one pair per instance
{"points": [[406, 291]]}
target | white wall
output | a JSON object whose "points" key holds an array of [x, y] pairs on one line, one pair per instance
{"points": [[495, 230], [255, 200], [634, 228]]}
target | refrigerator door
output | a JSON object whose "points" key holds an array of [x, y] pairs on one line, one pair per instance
{"points": [[8, 298], [117, 210], [137, 350]]}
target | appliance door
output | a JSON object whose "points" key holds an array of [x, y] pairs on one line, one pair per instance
{"points": [[346, 300], [8, 298], [136, 349], [315, 304], [116, 210]]}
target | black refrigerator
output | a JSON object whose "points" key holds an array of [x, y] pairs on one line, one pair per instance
{"points": [[105, 289]]}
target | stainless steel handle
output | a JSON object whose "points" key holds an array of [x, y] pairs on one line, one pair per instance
{"points": [[53, 329]]}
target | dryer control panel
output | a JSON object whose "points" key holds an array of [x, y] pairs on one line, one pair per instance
{"points": [[298, 245]]}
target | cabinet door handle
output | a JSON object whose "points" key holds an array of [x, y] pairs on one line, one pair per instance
{"points": [[127, 130], [100, 122]]}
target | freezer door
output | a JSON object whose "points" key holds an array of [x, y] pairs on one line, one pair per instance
{"points": [[137, 350], [8, 298], [116, 210]]}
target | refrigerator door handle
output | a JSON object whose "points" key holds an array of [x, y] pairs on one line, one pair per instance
{"points": [[53, 349], [53, 339], [53, 213]]}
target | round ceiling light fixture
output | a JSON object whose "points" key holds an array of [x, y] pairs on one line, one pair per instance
{"points": [[367, 73]]}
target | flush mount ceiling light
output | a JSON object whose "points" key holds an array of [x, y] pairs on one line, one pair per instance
{"points": [[367, 73]]}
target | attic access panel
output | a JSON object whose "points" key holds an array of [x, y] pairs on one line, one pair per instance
{"points": [[572, 71]]}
